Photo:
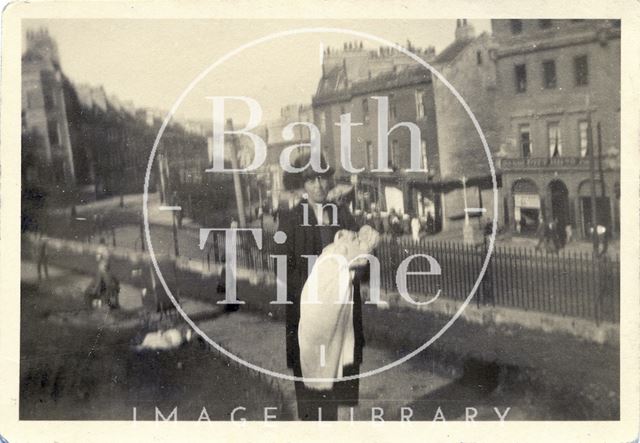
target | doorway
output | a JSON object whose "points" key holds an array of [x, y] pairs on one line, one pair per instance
{"points": [[560, 209]]}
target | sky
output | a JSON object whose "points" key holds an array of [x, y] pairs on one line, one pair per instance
{"points": [[151, 62]]}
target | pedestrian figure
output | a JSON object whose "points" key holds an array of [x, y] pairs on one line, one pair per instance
{"points": [[568, 230], [415, 229], [542, 235], [603, 239], [386, 225], [377, 221], [406, 224], [430, 224], [369, 220], [105, 288], [94, 229], [551, 241], [304, 239], [487, 230], [556, 236], [41, 255], [394, 223], [102, 252]]}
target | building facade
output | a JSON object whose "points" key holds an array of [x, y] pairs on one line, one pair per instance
{"points": [[271, 174], [468, 65], [404, 89], [116, 141], [451, 146], [44, 115], [559, 122]]}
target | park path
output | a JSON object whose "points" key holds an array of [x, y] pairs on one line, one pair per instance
{"points": [[261, 342]]}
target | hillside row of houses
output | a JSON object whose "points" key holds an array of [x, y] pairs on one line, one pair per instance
{"points": [[79, 141]]}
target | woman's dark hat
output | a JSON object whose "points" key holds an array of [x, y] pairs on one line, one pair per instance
{"points": [[295, 180]]}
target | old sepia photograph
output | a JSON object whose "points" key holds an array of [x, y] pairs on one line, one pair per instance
{"points": [[320, 220]]}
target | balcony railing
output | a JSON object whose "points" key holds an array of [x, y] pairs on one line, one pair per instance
{"points": [[545, 162]]}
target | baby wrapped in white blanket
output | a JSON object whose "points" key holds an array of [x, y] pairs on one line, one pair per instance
{"points": [[325, 332]]}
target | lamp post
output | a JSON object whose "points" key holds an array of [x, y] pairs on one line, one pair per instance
{"points": [[602, 188], [467, 229], [354, 182], [174, 228], [592, 176], [236, 177]]}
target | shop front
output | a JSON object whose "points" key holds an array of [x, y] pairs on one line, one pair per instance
{"points": [[527, 207]]}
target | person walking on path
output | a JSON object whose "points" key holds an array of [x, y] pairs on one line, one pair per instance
{"points": [[556, 236], [415, 229], [105, 287], [542, 235], [42, 257]]}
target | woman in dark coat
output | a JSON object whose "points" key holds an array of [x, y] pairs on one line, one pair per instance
{"points": [[309, 239]]}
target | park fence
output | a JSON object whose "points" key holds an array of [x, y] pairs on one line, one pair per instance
{"points": [[567, 283], [572, 284]]}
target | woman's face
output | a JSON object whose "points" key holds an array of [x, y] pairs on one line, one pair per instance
{"points": [[317, 188]]}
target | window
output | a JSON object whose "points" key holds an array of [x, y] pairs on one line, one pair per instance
{"points": [[393, 110], [49, 100], [516, 26], [323, 122], [423, 151], [365, 110], [583, 137], [555, 140], [421, 111], [544, 23], [58, 167], [32, 99], [581, 70], [54, 135], [479, 57], [521, 78], [369, 154], [395, 154], [549, 74], [525, 141]]}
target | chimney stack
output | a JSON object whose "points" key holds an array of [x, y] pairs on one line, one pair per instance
{"points": [[464, 30]]}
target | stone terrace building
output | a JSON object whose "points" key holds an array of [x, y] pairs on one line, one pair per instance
{"points": [[44, 117], [349, 88], [451, 146], [558, 82], [468, 65], [271, 132]]}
